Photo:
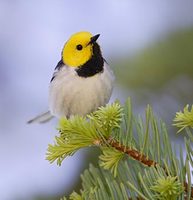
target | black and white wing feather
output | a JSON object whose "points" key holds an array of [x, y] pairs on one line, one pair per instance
{"points": [[58, 67], [44, 117]]}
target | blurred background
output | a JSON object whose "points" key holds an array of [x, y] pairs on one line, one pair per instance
{"points": [[149, 45]]}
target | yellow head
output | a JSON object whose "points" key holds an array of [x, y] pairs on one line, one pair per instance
{"points": [[78, 49]]}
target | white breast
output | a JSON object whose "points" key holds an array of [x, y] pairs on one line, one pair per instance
{"points": [[71, 94]]}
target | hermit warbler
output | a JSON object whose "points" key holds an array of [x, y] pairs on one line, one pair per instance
{"points": [[82, 80]]}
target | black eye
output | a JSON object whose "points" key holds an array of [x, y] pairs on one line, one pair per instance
{"points": [[79, 47]]}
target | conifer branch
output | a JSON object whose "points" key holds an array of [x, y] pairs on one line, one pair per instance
{"points": [[184, 119], [141, 158], [117, 132]]}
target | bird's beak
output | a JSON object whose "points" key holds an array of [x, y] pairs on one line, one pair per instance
{"points": [[93, 39]]}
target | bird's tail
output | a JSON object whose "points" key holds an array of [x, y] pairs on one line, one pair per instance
{"points": [[45, 117]]}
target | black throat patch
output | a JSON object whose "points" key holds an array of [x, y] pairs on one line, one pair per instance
{"points": [[92, 66]]}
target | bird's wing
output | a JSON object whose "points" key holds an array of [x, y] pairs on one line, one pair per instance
{"points": [[58, 67], [42, 118]]}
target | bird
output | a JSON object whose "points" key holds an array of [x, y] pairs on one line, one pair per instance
{"points": [[82, 80]]}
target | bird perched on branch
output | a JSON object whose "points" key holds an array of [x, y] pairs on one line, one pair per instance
{"points": [[82, 80]]}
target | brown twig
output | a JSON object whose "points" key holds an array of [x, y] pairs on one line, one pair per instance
{"points": [[140, 157], [133, 153], [186, 189]]}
